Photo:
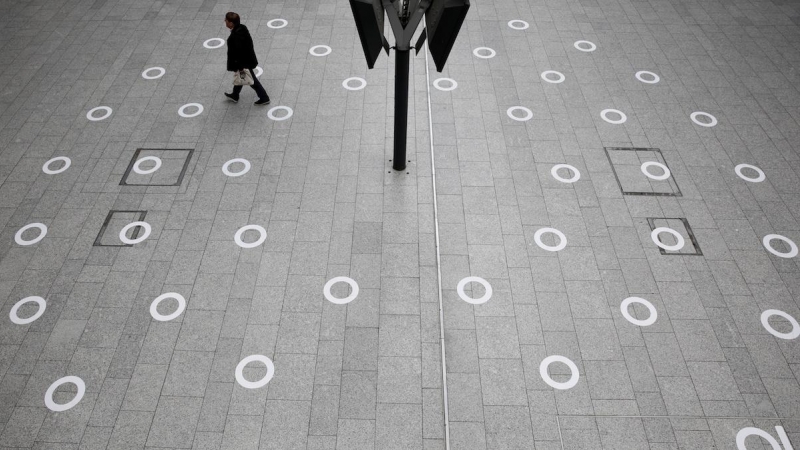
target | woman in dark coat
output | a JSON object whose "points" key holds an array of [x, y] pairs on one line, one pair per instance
{"points": [[242, 55]]}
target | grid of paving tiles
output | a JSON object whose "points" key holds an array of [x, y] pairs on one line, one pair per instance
{"points": [[361, 375], [368, 374], [707, 367]]}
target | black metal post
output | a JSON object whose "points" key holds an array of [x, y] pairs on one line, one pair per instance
{"points": [[400, 108]]}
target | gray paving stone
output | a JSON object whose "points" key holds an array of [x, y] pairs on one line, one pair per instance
{"points": [[321, 187]]}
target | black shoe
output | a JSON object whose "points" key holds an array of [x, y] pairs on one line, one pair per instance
{"points": [[233, 98], [262, 102]]}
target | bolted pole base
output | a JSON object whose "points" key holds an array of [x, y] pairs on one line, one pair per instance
{"points": [[400, 108]]}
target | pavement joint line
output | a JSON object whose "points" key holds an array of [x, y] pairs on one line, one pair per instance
{"points": [[438, 253], [676, 416]]}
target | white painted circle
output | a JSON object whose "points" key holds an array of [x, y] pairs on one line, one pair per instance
{"points": [[744, 433], [226, 167], [647, 164], [182, 110], [48, 396], [776, 312], [697, 114], [528, 113], [262, 236], [622, 117], [537, 237], [477, 52], [640, 76], [15, 309], [474, 301], [560, 76], [165, 318], [642, 323], [326, 291], [137, 166], [130, 226], [362, 84], [761, 177], [513, 24], [575, 177], [573, 379], [671, 248], [271, 113], [46, 167], [258, 71], [273, 23], [579, 45], [161, 71], [42, 233], [437, 83], [90, 115], [792, 246], [209, 43], [326, 50], [254, 384]]}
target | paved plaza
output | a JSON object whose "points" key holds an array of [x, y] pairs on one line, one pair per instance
{"points": [[593, 245]]}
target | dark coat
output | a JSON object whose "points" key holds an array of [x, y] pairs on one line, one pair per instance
{"points": [[241, 54]]}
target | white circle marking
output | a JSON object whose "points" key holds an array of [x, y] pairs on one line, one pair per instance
{"points": [[271, 113], [537, 237], [13, 314], [48, 396], [622, 117], [573, 380], [327, 50], [226, 167], [560, 76], [272, 23], [697, 114], [776, 312], [123, 233], [477, 52], [258, 71], [474, 301], [524, 25], [579, 45], [42, 233], [90, 115], [165, 318], [254, 384], [672, 248], [138, 169], [792, 246], [362, 84], [208, 43], [647, 164], [326, 291], [46, 167], [744, 433], [557, 167], [627, 315], [182, 110], [261, 238], [761, 177], [437, 83], [528, 113], [640, 76], [161, 71]]}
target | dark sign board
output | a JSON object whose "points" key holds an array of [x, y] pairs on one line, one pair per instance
{"points": [[369, 22], [443, 21]]}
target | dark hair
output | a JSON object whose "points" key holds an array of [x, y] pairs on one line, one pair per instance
{"points": [[233, 18]]}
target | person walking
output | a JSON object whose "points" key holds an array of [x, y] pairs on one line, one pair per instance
{"points": [[241, 56]]}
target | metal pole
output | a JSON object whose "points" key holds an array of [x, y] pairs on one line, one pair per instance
{"points": [[400, 108]]}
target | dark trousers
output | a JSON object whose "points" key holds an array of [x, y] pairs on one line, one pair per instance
{"points": [[262, 93]]}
